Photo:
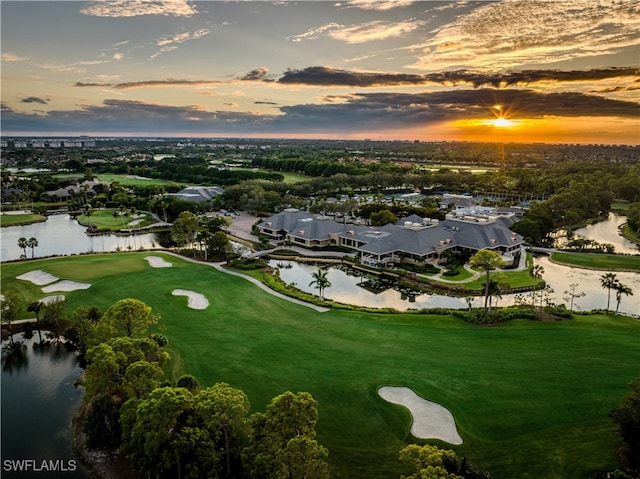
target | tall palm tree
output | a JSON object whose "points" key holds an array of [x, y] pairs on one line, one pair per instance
{"points": [[32, 243], [321, 282], [487, 260], [23, 243], [620, 290], [609, 281]]}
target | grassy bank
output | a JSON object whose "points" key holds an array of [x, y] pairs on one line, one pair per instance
{"points": [[597, 261], [530, 399], [21, 219], [104, 219]]}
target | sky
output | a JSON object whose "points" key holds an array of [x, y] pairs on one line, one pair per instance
{"points": [[498, 71]]}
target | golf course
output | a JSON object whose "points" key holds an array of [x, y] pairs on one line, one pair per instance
{"points": [[530, 399]]}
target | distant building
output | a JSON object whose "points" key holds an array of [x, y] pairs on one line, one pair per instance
{"points": [[198, 194]]}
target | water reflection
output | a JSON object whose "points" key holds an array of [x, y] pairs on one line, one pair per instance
{"points": [[38, 403], [353, 289], [14, 357], [608, 232]]}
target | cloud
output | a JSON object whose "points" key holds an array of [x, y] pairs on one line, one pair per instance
{"points": [[162, 83], [134, 8], [381, 5], [362, 33], [12, 57], [170, 42], [118, 56], [326, 76], [34, 99], [260, 74], [499, 35], [369, 112]]}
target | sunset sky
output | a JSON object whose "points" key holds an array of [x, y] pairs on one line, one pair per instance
{"points": [[541, 71]]}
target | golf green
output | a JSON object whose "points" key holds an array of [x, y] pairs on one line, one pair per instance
{"points": [[530, 399]]}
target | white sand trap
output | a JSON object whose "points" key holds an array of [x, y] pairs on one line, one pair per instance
{"points": [[52, 299], [38, 277], [196, 300], [65, 285], [430, 420], [134, 222], [158, 262]]}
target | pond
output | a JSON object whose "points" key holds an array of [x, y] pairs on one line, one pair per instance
{"points": [[62, 235], [608, 232], [39, 400], [353, 288]]}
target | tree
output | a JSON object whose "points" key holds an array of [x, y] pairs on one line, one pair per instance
{"points": [[431, 462], [23, 243], [609, 281], [285, 433], [620, 290], [428, 462], [573, 293], [128, 317], [32, 243], [320, 281], [383, 217], [627, 416], [487, 260], [223, 410], [9, 307], [184, 228], [217, 245]]}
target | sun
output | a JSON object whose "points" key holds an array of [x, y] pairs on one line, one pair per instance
{"points": [[502, 122]]}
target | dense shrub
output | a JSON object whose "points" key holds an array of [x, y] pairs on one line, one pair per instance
{"points": [[478, 316]]}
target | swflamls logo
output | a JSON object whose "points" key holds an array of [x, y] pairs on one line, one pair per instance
{"points": [[33, 465]]}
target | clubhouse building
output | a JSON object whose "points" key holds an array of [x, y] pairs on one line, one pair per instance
{"points": [[413, 240]]}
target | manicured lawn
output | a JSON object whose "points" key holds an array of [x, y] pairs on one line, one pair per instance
{"points": [[123, 179], [598, 261], [515, 279], [21, 219], [531, 400], [104, 219]]}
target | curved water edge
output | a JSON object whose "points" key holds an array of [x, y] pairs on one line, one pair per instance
{"points": [[430, 419]]}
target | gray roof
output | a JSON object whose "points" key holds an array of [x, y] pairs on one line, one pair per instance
{"points": [[198, 193], [285, 220], [320, 228]]}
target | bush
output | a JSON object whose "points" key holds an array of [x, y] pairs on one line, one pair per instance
{"points": [[478, 316]]}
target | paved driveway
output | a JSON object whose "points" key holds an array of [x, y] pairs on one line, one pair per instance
{"points": [[241, 226]]}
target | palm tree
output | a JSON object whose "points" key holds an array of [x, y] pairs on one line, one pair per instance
{"points": [[32, 243], [487, 260], [609, 281], [620, 290], [321, 282], [23, 243]]}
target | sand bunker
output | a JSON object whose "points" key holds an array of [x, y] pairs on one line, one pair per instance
{"points": [[157, 262], [134, 222], [52, 299], [65, 285], [38, 277], [196, 300], [430, 420]]}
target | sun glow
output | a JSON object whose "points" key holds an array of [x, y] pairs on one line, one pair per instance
{"points": [[502, 122]]}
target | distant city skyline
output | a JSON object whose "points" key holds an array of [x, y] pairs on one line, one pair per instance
{"points": [[496, 71]]}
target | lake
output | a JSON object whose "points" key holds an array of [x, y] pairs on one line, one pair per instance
{"points": [[39, 401], [62, 235]]}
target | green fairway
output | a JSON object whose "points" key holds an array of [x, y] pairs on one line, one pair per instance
{"points": [[598, 261], [104, 219], [530, 399]]}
